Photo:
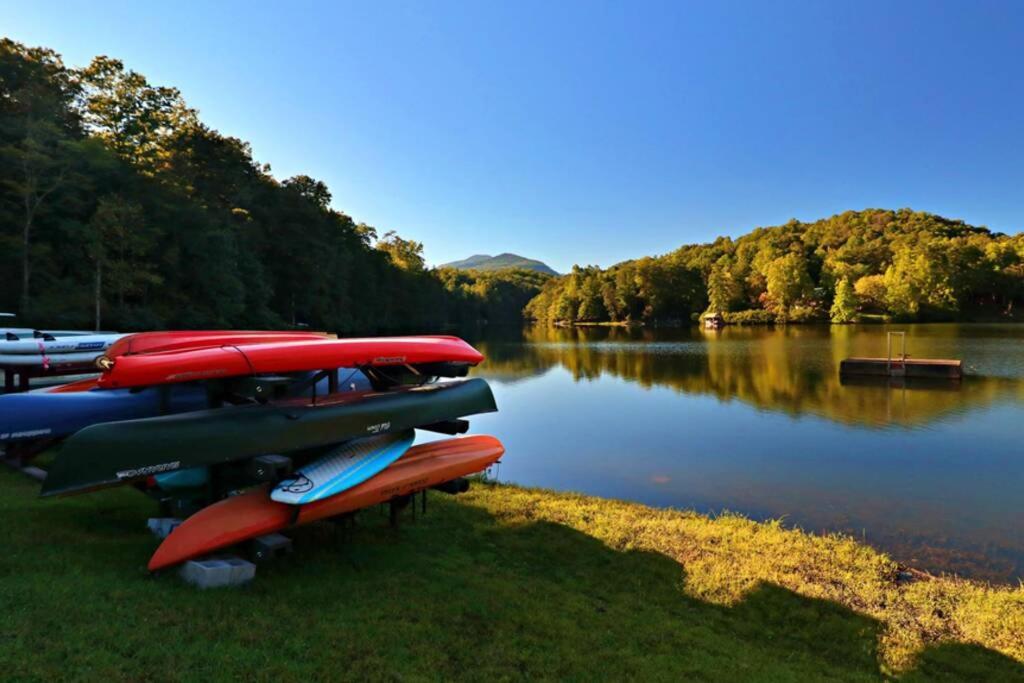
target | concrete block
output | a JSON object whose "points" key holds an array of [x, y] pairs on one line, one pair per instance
{"points": [[218, 572], [269, 547], [161, 527]]}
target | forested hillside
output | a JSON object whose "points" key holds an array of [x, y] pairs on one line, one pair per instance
{"points": [[120, 208], [905, 264]]}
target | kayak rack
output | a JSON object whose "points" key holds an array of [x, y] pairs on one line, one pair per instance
{"points": [[18, 377]]}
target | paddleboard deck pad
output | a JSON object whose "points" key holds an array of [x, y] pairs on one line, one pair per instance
{"points": [[345, 466], [248, 515]]}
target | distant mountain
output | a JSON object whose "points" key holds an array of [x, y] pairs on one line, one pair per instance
{"points": [[500, 262]]}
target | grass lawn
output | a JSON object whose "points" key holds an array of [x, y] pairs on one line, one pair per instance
{"points": [[500, 584]]}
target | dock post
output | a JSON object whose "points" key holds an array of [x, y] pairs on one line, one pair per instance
{"points": [[899, 369]]}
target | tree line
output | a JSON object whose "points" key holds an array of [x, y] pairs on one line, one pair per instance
{"points": [[903, 264], [120, 208]]}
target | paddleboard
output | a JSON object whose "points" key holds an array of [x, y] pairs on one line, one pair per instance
{"points": [[30, 333], [248, 515], [85, 343], [349, 464], [168, 367], [57, 360]]}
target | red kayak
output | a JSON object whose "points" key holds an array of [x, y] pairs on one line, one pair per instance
{"points": [[169, 367], [253, 514], [152, 342]]}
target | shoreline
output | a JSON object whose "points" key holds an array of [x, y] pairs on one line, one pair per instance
{"points": [[499, 564], [801, 323], [725, 557]]}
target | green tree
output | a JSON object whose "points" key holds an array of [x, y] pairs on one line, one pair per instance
{"points": [[37, 134], [844, 305], [121, 252], [134, 118], [722, 287], [591, 308], [313, 190], [406, 254], [788, 282]]}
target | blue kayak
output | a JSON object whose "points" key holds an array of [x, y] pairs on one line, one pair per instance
{"points": [[44, 415]]}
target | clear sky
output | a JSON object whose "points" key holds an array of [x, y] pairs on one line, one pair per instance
{"points": [[592, 132]]}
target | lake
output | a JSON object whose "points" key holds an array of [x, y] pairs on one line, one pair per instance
{"points": [[755, 420]]}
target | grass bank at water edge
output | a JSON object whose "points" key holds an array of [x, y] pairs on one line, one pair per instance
{"points": [[502, 583]]}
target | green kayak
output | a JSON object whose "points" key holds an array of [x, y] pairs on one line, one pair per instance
{"points": [[119, 452]]}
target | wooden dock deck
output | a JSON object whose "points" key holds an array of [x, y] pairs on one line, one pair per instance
{"points": [[932, 368]]}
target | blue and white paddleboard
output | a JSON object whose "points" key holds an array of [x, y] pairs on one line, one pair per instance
{"points": [[28, 333], [86, 343], [351, 463], [29, 360]]}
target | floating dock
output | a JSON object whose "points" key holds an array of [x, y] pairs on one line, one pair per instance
{"points": [[898, 364], [925, 368]]}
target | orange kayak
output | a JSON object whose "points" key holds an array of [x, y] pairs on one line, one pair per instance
{"points": [[253, 514]]}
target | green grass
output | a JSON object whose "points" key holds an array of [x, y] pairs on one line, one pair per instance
{"points": [[500, 584]]}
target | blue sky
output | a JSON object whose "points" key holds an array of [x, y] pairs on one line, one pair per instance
{"points": [[592, 132]]}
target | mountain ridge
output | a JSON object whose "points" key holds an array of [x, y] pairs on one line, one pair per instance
{"points": [[503, 261]]}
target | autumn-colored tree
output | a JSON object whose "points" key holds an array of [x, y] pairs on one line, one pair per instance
{"points": [[788, 282], [406, 254]]}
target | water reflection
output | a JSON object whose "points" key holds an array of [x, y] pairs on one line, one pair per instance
{"points": [[794, 370], [756, 420]]}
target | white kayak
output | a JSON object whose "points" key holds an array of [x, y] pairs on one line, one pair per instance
{"points": [[85, 343]]}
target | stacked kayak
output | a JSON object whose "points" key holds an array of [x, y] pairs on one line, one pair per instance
{"points": [[258, 430], [57, 412], [25, 350]]}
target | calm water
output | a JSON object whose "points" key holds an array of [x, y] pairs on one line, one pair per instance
{"points": [[756, 420]]}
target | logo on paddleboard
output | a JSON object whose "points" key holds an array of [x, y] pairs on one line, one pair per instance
{"points": [[379, 428], [388, 360], [89, 346], [301, 484], [148, 470], [104, 363]]}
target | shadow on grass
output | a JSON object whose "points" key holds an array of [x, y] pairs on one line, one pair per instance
{"points": [[451, 595]]}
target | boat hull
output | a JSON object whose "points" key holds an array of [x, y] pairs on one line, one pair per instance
{"points": [[239, 518], [151, 342], [53, 415], [119, 452], [220, 362]]}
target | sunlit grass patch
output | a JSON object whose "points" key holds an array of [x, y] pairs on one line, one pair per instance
{"points": [[502, 583], [723, 558]]}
